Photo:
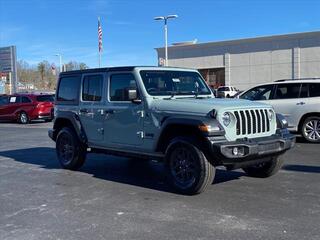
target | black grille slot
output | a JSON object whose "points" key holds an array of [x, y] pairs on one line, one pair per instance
{"points": [[243, 121], [258, 121], [268, 122], [254, 121], [238, 122], [263, 121], [248, 121]]}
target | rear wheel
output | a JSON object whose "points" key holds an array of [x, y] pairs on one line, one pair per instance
{"points": [[71, 153], [23, 118], [188, 169], [265, 169], [311, 129]]}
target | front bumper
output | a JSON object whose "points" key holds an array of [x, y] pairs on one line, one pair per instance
{"points": [[251, 151]]}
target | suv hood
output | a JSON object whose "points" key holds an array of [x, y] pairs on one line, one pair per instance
{"points": [[202, 107]]}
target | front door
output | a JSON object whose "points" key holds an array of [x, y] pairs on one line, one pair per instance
{"points": [[124, 119], [92, 108]]}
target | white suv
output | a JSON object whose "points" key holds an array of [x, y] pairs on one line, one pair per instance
{"points": [[298, 100], [226, 91]]}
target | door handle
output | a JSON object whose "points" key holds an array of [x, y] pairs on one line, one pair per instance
{"points": [[84, 110], [301, 103]]}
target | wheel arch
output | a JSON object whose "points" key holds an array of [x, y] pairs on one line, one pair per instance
{"points": [[304, 117], [72, 121]]}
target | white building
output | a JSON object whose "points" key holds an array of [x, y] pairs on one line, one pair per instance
{"points": [[247, 62]]}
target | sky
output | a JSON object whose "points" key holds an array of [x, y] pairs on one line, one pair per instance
{"points": [[42, 28]]}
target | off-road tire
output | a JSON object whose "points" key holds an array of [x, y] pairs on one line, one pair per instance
{"points": [[310, 129], [200, 171], [70, 152], [265, 169]]}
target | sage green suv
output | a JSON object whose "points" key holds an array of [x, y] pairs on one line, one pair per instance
{"points": [[165, 114]]}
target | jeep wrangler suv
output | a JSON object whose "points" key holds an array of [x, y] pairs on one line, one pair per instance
{"points": [[166, 114]]}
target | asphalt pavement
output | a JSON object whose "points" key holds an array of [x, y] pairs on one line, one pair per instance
{"points": [[118, 198]]}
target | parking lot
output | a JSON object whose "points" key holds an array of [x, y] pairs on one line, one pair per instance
{"points": [[118, 198]]}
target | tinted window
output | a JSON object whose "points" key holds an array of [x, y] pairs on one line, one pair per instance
{"points": [[286, 91], [258, 93], [45, 98], [4, 100], [92, 88], [68, 88], [304, 90], [26, 100], [118, 85], [314, 89]]}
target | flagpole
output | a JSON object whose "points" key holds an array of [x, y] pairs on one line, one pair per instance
{"points": [[99, 41]]}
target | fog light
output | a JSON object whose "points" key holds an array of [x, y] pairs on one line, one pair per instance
{"points": [[238, 151]]}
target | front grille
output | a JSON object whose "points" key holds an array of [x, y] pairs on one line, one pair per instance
{"points": [[252, 121]]}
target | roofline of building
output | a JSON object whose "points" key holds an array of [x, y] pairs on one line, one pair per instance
{"points": [[247, 40]]}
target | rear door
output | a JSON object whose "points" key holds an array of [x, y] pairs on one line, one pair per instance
{"points": [[13, 107], [91, 106], [4, 103], [286, 100]]}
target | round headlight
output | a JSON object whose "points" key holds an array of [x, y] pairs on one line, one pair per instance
{"points": [[270, 115], [226, 118]]}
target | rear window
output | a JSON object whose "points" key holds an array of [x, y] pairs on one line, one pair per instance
{"points": [[314, 89], [287, 91], [68, 90], [45, 98], [223, 89]]}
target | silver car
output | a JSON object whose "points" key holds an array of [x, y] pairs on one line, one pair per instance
{"points": [[298, 100]]}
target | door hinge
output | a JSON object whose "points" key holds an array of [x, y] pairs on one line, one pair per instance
{"points": [[141, 113], [100, 130], [141, 134]]}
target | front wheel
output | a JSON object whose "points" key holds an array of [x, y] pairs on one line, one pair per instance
{"points": [[188, 169], [311, 129], [71, 153], [265, 169]]}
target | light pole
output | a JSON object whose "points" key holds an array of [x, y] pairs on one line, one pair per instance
{"points": [[165, 19], [60, 61]]}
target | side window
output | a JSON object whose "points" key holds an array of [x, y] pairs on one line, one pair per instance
{"points": [[119, 83], [259, 93], [68, 89], [4, 100], [314, 89], [92, 88], [287, 91], [15, 99], [304, 90], [25, 100]]}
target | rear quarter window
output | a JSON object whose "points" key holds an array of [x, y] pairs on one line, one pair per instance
{"points": [[68, 90], [45, 98], [314, 89]]}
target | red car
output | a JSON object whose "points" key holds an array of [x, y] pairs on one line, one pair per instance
{"points": [[26, 107]]}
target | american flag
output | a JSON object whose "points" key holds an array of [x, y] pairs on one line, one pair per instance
{"points": [[99, 35]]}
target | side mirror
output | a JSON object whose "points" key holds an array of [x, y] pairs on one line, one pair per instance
{"points": [[132, 95]]}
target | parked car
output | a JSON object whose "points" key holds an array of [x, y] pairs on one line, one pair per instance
{"points": [[226, 91], [168, 114], [298, 100], [26, 107]]}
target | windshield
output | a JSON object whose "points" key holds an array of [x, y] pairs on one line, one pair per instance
{"points": [[45, 98], [258, 93], [174, 83]]}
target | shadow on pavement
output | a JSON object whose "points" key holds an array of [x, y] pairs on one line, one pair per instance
{"points": [[147, 174], [301, 168]]}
